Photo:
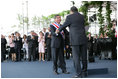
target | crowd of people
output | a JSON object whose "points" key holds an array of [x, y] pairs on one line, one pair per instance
{"points": [[29, 47], [103, 46]]}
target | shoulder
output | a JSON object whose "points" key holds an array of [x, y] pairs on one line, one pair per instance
{"points": [[68, 16], [72, 15], [46, 33], [51, 25], [81, 15], [29, 36]]}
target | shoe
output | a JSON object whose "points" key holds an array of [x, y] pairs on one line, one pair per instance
{"points": [[48, 60], [34, 60], [24, 59], [16, 61], [84, 74], [29, 60], [55, 72], [77, 76], [65, 72]]}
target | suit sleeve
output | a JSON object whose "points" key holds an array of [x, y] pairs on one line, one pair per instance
{"points": [[66, 23], [29, 39], [53, 31], [5, 41], [21, 42], [46, 35]]}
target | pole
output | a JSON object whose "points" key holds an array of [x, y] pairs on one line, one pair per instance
{"points": [[27, 15], [23, 15]]}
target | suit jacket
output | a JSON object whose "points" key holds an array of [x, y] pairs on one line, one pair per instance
{"points": [[32, 42], [56, 40], [77, 31], [36, 40], [3, 43], [18, 43], [47, 39]]}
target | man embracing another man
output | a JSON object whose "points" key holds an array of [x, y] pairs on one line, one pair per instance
{"points": [[78, 40]]}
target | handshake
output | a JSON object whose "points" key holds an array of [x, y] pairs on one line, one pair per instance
{"points": [[57, 31]]}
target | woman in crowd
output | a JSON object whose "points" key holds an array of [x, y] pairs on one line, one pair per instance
{"points": [[12, 50], [41, 46], [25, 47], [9, 37]]}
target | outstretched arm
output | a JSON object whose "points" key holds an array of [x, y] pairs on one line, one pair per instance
{"points": [[66, 23]]}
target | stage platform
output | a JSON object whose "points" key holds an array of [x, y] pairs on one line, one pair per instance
{"points": [[36, 69]]}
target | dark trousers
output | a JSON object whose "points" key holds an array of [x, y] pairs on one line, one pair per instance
{"points": [[77, 51], [18, 54], [48, 52], [67, 53], [57, 55], [32, 52], [2, 54]]}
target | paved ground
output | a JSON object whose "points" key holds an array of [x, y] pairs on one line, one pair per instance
{"points": [[44, 69]]}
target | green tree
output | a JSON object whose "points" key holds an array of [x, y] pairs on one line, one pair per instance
{"points": [[84, 10], [108, 13], [100, 17], [108, 18]]}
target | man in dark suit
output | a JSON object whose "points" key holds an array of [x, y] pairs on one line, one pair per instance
{"points": [[32, 44], [57, 47], [18, 46], [3, 48], [48, 43], [78, 39]]}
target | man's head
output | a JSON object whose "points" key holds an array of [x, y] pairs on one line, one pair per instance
{"points": [[49, 29], [15, 32], [57, 18], [9, 36], [89, 35], [31, 32], [18, 34], [73, 9], [44, 29], [2, 36]]}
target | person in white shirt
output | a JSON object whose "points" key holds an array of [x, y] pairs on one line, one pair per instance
{"points": [[25, 46]]}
